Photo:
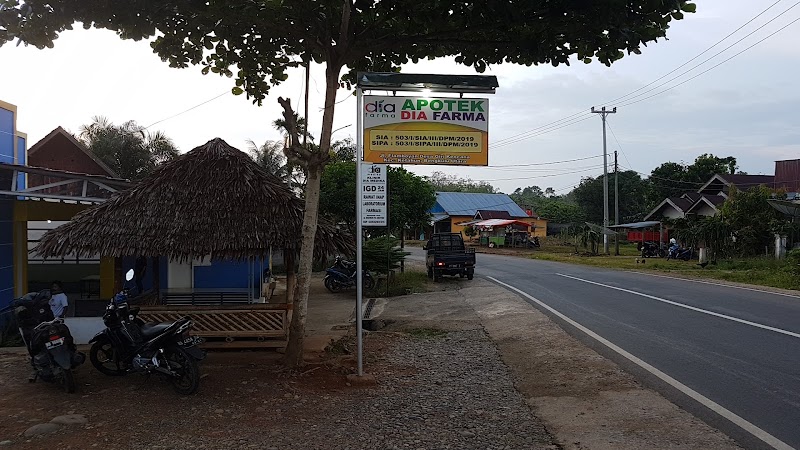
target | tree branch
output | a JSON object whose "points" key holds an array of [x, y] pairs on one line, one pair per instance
{"points": [[293, 148]]}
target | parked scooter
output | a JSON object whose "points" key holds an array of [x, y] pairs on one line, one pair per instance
{"points": [[676, 252], [652, 250], [534, 242], [49, 342], [129, 345], [342, 275]]}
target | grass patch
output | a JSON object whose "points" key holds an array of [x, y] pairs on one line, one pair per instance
{"points": [[409, 282], [758, 271], [426, 333]]}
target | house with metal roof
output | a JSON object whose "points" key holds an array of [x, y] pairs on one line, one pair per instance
{"points": [[454, 210]]}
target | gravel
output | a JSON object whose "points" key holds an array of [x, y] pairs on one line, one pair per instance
{"points": [[434, 391], [445, 392]]}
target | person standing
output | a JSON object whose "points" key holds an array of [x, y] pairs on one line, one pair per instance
{"points": [[139, 270], [58, 300]]}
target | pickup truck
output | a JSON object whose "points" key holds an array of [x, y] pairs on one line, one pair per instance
{"points": [[447, 255]]}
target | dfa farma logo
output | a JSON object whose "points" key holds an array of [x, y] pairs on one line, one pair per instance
{"points": [[380, 109]]}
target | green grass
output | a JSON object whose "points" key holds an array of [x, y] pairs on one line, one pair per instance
{"points": [[401, 283], [426, 333], [758, 271]]}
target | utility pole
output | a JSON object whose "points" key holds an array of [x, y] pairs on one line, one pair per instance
{"points": [[616, 203], [603, 113]]}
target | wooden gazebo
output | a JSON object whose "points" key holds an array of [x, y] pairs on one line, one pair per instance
{"points": [[213, 201]]}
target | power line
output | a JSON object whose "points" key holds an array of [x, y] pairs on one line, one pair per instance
{"points": [[540, 176], [629, 100], [713, 67], [543, 132], [547, 163], [617, 141], [700, 54], [187, 110], [534, 132]]}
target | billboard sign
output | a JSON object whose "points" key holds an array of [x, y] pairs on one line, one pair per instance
{"points": [[373, 195], [425, 130]]}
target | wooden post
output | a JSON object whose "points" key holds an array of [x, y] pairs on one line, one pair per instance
{"points": [[118, 277], [291, 276]]}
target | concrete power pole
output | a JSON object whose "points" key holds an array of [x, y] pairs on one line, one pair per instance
{"points": [[603, 113], [616, 203]]}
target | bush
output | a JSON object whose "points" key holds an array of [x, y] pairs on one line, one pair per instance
{"points": [[793, 262], [382, 254], [9, 333]]}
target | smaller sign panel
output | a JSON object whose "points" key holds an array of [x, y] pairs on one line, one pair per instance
{"points": [[374, 195]]}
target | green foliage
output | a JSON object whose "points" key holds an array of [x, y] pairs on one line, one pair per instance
{"points": [[470, 231], [442, 182], [343, 151], [128, 149], [256, 42], [410, 197], [632, 201], [556, 209], [9, 333], [672, 179], [382, 254], [793, 262], [402, 283]]}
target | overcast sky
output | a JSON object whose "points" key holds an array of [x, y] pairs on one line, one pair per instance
{"points": [[744, 108]]}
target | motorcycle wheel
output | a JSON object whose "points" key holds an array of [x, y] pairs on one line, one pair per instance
{"points": [[102, 357], [67, 381], [333, 286], [188, 379], [369, 283]]}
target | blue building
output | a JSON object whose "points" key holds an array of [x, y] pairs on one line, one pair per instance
{"points": [[13, 150]]}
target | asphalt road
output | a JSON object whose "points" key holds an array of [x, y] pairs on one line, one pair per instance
{"points": [[737, 349]]}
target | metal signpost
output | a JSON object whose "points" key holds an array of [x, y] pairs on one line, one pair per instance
{"points": [[412, 130]]}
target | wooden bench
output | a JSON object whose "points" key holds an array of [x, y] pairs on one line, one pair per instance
{"points": [[230, 326]]}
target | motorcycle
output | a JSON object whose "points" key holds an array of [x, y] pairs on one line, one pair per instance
{"points": [[676, 252], [534, 242], [342, 275], [652, 250], [50, 345], [129, 345]]}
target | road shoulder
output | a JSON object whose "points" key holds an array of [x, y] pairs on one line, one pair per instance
{"points": [[585, 400]]}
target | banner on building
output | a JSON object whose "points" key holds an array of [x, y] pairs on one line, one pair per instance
{"points": [[424, 130]]}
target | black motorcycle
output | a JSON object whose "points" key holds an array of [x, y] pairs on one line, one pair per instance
{"points": [[130, 345], [50, 345], [342, 275], [652, 250], [677, 252]]}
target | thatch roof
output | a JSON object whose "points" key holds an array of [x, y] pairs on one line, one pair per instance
{"points": [[214, 200]]}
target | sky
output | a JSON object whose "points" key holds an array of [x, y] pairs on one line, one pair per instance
{"points": [[743, 108]]}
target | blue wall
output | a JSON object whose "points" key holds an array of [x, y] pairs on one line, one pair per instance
{"points": [[7, 136], [226, 274], [22, 160]]}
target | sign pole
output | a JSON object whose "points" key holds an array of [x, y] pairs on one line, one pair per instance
{"points": [[359, 229]]}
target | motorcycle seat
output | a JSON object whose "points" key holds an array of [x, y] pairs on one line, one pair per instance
{"points": [[151, 330]]}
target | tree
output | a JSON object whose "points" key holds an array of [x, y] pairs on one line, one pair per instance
{"points": [[632, 200], [258, 41], [410, 196], [343, 151], [672, 179], [442, 182], [554, 208], [128, 149], [270, 157]]}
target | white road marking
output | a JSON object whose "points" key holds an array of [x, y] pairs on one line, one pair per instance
{"points": [[718, 284], [693, 308], [769, 439]]}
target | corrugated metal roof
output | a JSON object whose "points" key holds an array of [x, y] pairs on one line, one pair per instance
{"points": [[467, 204]]}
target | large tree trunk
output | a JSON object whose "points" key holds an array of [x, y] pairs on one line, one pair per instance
{"points": [[294, 349]]}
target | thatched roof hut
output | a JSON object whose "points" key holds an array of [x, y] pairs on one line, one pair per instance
{"points": [[213, 201]]}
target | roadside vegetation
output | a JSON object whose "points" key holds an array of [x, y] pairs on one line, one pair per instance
{"points": [[763, 271]]}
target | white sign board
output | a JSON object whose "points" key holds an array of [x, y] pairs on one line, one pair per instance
{"points": [[374, 195]]}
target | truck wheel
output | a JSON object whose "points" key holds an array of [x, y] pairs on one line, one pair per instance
{"points": [[461, 275], [470, 274], [437, 275], [430, 273]]}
